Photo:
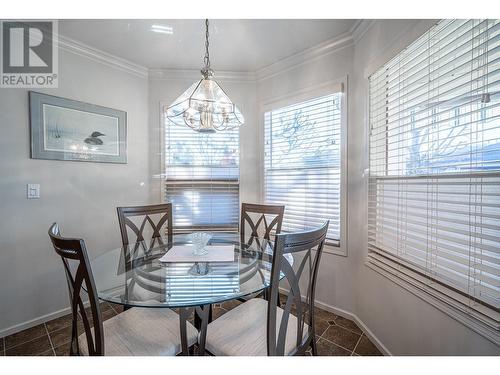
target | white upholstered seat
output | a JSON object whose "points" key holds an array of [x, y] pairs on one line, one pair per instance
{"points": [[243, 331], [142, 332]]}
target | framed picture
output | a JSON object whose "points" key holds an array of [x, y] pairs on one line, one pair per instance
{"points": [[65, 129]]}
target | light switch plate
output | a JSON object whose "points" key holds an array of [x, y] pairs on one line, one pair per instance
{"points": [[33, 191]]}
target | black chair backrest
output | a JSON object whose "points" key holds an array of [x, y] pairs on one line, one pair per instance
{"points": [[163, 225], [306, 249], [262, 221], [77, 268]]}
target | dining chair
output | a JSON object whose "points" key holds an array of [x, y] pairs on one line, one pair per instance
{"points": [[137, 331], [143, 227], [262, 220], [268, 220], [260, 327], [159, 217]]}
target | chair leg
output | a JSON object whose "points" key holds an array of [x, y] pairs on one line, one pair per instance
{"points": [[266, 296], [183, 317], [314, 346], [73, 349]]}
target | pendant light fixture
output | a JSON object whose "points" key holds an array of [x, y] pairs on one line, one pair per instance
{"points": [[205, 107]]}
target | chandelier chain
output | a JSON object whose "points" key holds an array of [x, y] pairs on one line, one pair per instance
{"points": [[207, 54]]}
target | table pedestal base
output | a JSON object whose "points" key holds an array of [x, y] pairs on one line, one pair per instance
{"points": [[202, 315]]}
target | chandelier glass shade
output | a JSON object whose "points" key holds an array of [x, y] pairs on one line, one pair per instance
{"points": [[204, 106]]}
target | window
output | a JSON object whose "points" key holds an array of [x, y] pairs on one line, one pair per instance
{"points": [[434, 186], [303, 163], [202, 178]]}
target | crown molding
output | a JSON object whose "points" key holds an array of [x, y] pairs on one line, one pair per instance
{"points": [[354, 26], [360, 28], [320, 50], [94, 54], [352, 36], [194, 74]]}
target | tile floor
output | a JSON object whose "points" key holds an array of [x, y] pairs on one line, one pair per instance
{"points": [[336, 336]]}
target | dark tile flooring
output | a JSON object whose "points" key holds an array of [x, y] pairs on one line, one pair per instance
{"points": [[336, 336]]}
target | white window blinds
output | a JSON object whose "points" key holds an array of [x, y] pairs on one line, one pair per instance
{"points": [[434, 186], [202, 178], [302, 163]]}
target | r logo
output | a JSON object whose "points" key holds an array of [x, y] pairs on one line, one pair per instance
{"points": [[29, 54], [27, 47]]}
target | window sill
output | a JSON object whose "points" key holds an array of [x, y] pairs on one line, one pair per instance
{"points": [[479, 323], [335, 250]]}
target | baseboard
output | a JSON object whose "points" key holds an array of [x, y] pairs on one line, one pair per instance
{"points": [[353, 317], [34, 322], [364, 328]]}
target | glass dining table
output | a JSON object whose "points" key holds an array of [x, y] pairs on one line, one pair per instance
{"points": [[134, 276]]}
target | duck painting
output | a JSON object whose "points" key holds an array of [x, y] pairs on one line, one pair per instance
{"points": [[56, 133], [94, 139]]}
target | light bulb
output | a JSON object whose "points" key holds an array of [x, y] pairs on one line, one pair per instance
{"points": [[206, 123]]}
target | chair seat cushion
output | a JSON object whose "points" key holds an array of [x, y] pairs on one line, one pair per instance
{"points": [[243, 331], [142, 332]]}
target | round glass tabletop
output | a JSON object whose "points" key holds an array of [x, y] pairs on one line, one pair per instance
{"points": [[134, 275]]}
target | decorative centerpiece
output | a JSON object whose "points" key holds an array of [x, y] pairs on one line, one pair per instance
{"points": [[200, 241]]}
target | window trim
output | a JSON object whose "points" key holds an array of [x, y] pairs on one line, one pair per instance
{"points": [[163, 164], [308, 93], [410, 279]]}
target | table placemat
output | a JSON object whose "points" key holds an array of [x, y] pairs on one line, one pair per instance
{"points": [[184, 253]]}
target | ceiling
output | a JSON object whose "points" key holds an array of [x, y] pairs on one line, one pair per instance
{"points": [[235, 45]]}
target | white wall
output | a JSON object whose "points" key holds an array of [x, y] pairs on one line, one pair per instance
{"points": [[405, 324], [242, 92], [81, 196], [335, 282], [402, 322]]}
